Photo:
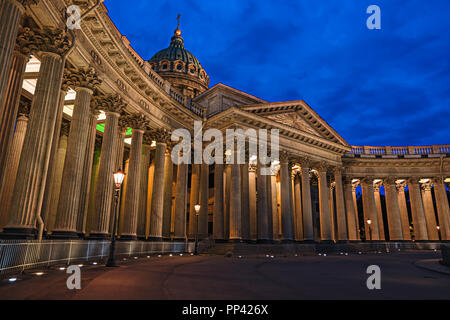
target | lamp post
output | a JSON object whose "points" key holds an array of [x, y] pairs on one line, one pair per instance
{"points": [[439, 232], [118, 179], [197, 210]]}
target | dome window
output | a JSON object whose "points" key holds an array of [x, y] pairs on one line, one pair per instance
{"points": [[164, 66], [179, 67]]}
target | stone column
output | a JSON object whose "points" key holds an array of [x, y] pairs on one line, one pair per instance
{"points": [[252, 202], [151, 176], [161, 137], [308, 228], [430, 215], [330, 185], [48, 203], [227, 197], [10, 15], [442, 207], [262, 213], [143, 189], [138, 123], [235, 203], [369, 208], [298, 208], [32, 172], [274, 202], [194, 198], [168, 181], [58, 167], [287, 219], [352, 217], [245, 211], [417, 212], [376, 194], [87, 171], [120, 141], [403, 211], [93, 182], [12, 164], [203, 201], [340, 207], [218, 217], [325, 223], [180, 203], [393, 210], [105, 181], [8, 112], [83, 81]]}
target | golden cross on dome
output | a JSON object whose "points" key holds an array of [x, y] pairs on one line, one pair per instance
{"points": [[178, 19], [178, 31]]}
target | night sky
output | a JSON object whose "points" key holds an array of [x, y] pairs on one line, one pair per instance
{"points": [[374, 87]]}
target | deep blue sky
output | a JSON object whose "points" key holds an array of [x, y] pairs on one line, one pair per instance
{"points": [[374, 87]]}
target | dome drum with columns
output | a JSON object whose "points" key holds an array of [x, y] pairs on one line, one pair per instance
{"points": [[180, 67], [116, 110]]}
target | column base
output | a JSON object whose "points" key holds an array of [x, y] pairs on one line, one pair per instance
{"points": [[220, 241], [326, 242], [264, 241], [342, 241], [127, 237], [18, 233], [178, 240], [306, 242], [234, 241], [64, 235], [156, 239], [99, 236], [287, 241]]}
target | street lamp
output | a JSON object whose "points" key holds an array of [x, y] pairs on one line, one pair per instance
{"points": [[369, 222], [197, 210], [439, 232], [118, 179]]}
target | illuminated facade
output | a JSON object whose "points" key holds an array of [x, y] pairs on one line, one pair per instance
{"points": [[73, 112]]}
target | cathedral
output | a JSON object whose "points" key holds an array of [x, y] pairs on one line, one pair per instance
{"points": [[77, 104]]}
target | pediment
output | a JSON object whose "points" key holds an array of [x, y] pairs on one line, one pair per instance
{"points": [[299, 115]]}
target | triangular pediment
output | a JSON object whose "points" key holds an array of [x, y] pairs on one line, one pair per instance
{"points": [[296, 114]]}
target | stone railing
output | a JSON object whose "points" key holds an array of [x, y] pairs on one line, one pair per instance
{"points": [[399, 151]]}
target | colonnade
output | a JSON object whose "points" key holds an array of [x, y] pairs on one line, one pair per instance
{"points": [[57, 175]]}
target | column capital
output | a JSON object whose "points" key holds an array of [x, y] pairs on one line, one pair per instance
{"points": [[81, 78], [24, 109], [112, 103], [95, 102], [322, 167], [338, 170], [159, 135], [284, 157], [437, 180], [305, 162], [24, 42], [389, 181], [347, 180], [137, 121], [413, 180], [367, 180], [400, 186], [48, 39], [252, 168]]}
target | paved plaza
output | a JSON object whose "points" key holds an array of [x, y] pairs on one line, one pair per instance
{"points": [[334, 276]]}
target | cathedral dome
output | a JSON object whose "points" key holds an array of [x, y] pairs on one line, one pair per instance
{"points": [[180, 67]]}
